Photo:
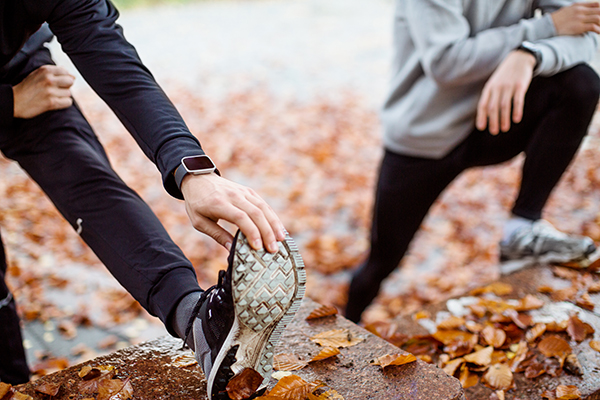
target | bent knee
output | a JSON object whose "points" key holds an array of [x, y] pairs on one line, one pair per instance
{"points": [[581, 85]]}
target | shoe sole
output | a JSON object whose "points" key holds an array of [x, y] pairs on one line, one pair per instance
{"points": [[267, 292]]}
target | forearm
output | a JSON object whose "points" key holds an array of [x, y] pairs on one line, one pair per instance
{"points": [[89, 35], [448, 52], [563, 52]]}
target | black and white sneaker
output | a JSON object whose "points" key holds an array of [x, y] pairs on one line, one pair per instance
{"points": [[237, 323]]}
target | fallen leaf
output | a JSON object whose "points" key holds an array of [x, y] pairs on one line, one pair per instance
{"points": [[467, 378], [535, 332], [452, 336], [20, 396], [494, 337], [291, 388], [497, 288], [573, 365], [577, 329], [288, 362], [530, 302], [394, 359], [595, 344], [520, 356], [51, 389], [482, 357], [585, 301], [451, 323], [557, 326], [534, 370], [336, 338], [184, 360], [115, 389], [67, 329], [451, 366], [567, 392], [321, 312], [498, 395], [499, 377], [554, 346], [244, 384], [325, 395], [327, 352], [5, 388], [549, 394]]}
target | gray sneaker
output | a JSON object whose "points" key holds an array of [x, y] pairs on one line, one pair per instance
{"points": [[543, 243], [237, 323]]}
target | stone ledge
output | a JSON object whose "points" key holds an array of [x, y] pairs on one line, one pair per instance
{"points": [[153, 374]]}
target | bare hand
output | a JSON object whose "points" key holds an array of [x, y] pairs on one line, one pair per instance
{"points": [[209, 198], [45, 89], [577, 19], [505, 91]]}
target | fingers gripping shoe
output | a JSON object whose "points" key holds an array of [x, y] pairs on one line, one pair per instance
{"points": [[237, 323]]}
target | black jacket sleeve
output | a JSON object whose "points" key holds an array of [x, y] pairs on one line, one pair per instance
{"points": [[89, 35]]}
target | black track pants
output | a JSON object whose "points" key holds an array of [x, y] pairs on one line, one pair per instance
{"points": [[557, 114], [59, 150]]}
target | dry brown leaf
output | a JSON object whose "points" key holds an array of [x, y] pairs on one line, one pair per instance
{"points": [[499, 377], [451, 323], [184, 360], [494, 337], [585, 301], [115, 389], [498, 395], [5, 388], [595, 344], [520, 356], [535, 332], [288, 362], [291, 388], [523, 321], [545, 289], [573, 365], [67, 329], [530, 302], [20, 396], [321, 312], [451, 366], [549, 394], [557, 326], [565, 273], [336, 338], [327, 352], [453, 336], [329, 394], [577, 329], [51, 389], [394, 359], [534, 370], [467, 378], [497, 288], [564, 294], [554, 346], [567, 392], [421, 315], [244, 384], [482, 357]]}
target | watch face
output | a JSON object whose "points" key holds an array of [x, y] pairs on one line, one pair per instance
{"points": [[198, 163]]}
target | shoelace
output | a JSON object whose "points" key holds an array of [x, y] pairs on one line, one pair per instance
{"points": [[196, 310]]}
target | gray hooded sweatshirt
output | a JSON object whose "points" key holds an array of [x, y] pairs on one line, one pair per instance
{"points": [[445, 50]]}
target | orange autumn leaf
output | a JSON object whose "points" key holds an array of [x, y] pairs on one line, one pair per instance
{"points": [[535, 332], [5, 388], [482, 357], [451, 323], [557, 326], [586, 302], [394, 359], [577, 329], [322, 312], [530, 302], [325, 395], [595, 344], [497, 288], [567, 392], [499, 377], [327, 352], [520, 356], [244, 384], [51, 389], [451, 336], [554, 346], [467, 378], [288, 362], [451, 366], [291, 388], [115, 389], [336, 338], [494, 337], [545, 289]]}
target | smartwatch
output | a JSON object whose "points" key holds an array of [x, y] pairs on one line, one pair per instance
{"points": [[528, 47], [196, 165]]}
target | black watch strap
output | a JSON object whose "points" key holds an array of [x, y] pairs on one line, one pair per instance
{"points": [[202, 165], [526, 47]]}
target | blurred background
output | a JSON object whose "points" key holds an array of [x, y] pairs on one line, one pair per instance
{"points": [[284, 96]]}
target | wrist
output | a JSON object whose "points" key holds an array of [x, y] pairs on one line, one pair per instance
{"points": [[529, 53]]}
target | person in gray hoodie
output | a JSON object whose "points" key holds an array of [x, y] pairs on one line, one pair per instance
{"points": [[475, 83]]}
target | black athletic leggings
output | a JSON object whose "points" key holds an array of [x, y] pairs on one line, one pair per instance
{"points": [[557, 114], [59, 150]]}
